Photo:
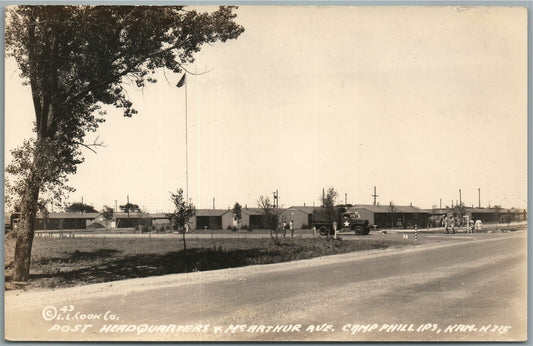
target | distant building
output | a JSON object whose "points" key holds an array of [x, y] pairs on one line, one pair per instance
{"points": [[486, 215], [137, 220], [212, 219], [395, 216], [252, 217], [59, 221], [301, 216]]}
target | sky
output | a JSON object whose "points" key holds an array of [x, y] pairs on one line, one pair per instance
{"points": [[417, 101]]}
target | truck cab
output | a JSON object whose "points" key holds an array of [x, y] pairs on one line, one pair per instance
{"points": [[346, 222], [353, 222]]}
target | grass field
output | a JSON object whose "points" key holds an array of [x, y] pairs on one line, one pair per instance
{"points": [[78, 261]]}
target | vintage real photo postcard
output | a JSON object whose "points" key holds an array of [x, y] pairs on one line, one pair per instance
{"points": [[265, 173]]}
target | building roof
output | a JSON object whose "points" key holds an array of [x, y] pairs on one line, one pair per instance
{"points": [[475, 210], [253, 211], [211, 212], [386, 208], [122, 215], [68, 215], [305, 209]]}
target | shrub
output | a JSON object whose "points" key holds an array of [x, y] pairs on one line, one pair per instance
{"points": [[234, 228], [229, 227], [249, 228], [305, 226]]}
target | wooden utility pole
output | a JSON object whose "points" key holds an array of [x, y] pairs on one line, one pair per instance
{"points": [[479, 197], [276, 199], [345, 199], [374, 195], [460, 199]]}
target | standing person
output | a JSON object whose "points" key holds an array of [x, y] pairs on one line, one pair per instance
{"points": [[445, 224], [334, 229], [291, 227], [452, 224], [284, 228]]}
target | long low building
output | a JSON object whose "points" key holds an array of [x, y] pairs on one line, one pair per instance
{"points": [[392, 216], [383, 216], [485, 215], [58, 221]]}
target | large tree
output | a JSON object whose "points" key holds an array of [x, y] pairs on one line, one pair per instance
{"points": [[75, 59]]}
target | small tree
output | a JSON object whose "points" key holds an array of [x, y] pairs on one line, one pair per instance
{"points": [[271, 218], [497, 211], [328, 203], [237, 211], [107, 213], [130, 208], [183, 212], [80, 208], [392, 209], [460, 211]]}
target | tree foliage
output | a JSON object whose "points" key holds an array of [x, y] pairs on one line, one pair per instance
{"points": [[130, 208], [271, 218], [78, 207], [237, 211], [392, 209], [76, 59], [182, 213], [328, 202], [179, 218], [108, 213]]}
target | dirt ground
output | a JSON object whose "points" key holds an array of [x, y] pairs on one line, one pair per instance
{"points": [[63, 262]]}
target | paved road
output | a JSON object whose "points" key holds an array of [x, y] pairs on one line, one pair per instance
{"points": [[470, 289]]}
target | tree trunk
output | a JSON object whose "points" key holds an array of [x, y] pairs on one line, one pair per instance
{"points": [[21, 269], [185, 259]]}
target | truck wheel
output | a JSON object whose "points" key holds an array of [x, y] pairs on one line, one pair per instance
{"points": [[323, 230], [359, 230]]}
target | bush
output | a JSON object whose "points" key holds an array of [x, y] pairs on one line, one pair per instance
{"points": [[234, 228], [305, 226], [249, 228], [229, 227]]}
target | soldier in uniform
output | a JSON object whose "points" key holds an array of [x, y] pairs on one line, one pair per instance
{"points": [[452, 223]]}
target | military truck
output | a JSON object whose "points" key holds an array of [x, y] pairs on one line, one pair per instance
{"points": [[346, 222]]}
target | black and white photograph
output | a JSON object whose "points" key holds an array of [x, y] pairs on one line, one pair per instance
{"points": [[265, 173]]}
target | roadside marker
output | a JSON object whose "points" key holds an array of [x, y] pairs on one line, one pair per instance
{"points": [[416, 233]]}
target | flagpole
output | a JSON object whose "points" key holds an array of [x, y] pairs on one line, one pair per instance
{"points": [[186, 148]]}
